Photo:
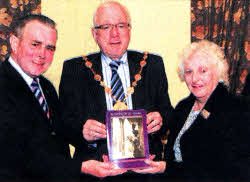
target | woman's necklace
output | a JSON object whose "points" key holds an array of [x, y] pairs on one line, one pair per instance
{"points": [[119, 104]]}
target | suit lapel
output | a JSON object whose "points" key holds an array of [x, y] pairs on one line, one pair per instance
{"points": [[182, 113], [48, 96], [97, 66], [134, 67], [21, 89]]}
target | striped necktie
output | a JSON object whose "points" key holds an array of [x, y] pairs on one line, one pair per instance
{"points": [[116, 83], [39, 96]]}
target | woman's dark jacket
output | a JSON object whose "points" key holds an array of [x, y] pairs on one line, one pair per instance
{"points": [[217, 144]]}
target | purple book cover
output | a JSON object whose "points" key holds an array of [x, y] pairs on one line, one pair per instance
{"points": [[127, 138]]}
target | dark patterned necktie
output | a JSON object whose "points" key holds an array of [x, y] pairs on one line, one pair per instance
{"points": [[116, 83], [39, 96]]}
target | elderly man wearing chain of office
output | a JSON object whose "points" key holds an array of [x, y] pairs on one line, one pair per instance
{"points": [[114, 78]]}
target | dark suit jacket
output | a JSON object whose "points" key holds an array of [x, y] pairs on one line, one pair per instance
{"points": [[83, 98], [212, 148], [246, 89], [28, 148]]}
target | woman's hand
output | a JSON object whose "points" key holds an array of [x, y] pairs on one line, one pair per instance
{"points": [[154, 166]]}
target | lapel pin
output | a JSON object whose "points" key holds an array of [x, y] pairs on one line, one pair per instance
{"points": [[205, 113]]}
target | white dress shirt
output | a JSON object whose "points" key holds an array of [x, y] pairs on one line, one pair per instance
{"points": [[123, 71]]}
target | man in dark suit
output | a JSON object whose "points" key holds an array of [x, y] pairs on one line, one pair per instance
{"points": [[32, 146], [90, 86]]}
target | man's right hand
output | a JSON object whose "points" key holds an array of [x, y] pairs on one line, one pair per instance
{"points": [[101, 169], [94, 130]]}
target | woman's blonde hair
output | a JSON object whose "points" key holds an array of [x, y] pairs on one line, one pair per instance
{"points": [[210, 50]]}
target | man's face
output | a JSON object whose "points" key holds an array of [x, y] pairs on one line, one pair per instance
{"points": [[114, 41], [34, 50]]}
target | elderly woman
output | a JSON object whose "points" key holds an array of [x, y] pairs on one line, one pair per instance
{"points": [[209, 130]]}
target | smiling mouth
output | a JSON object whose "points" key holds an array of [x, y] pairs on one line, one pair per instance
{"points": [[38, 63], [197, 86], [115, 42]]}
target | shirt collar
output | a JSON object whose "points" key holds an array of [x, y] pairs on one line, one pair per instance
{"points": [[108, 60], [26, 77]]}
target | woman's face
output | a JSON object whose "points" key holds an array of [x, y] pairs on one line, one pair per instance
{"points": [[200, 76]]}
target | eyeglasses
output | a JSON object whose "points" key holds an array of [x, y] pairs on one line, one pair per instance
{"points": [[108, 27]]}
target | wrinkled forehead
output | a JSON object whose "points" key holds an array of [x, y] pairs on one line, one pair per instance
{"points": [[111, 14], [36, 27], [200, 59], [204, 55], [37, 31]]}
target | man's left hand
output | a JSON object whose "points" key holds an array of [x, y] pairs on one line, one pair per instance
{"points": [[154, 121]]}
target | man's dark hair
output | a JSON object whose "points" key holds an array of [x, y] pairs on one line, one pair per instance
{"points": [[18, 24]]}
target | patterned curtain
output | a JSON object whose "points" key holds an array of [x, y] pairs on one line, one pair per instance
{"points": [[10, 9], [225, 22]]}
